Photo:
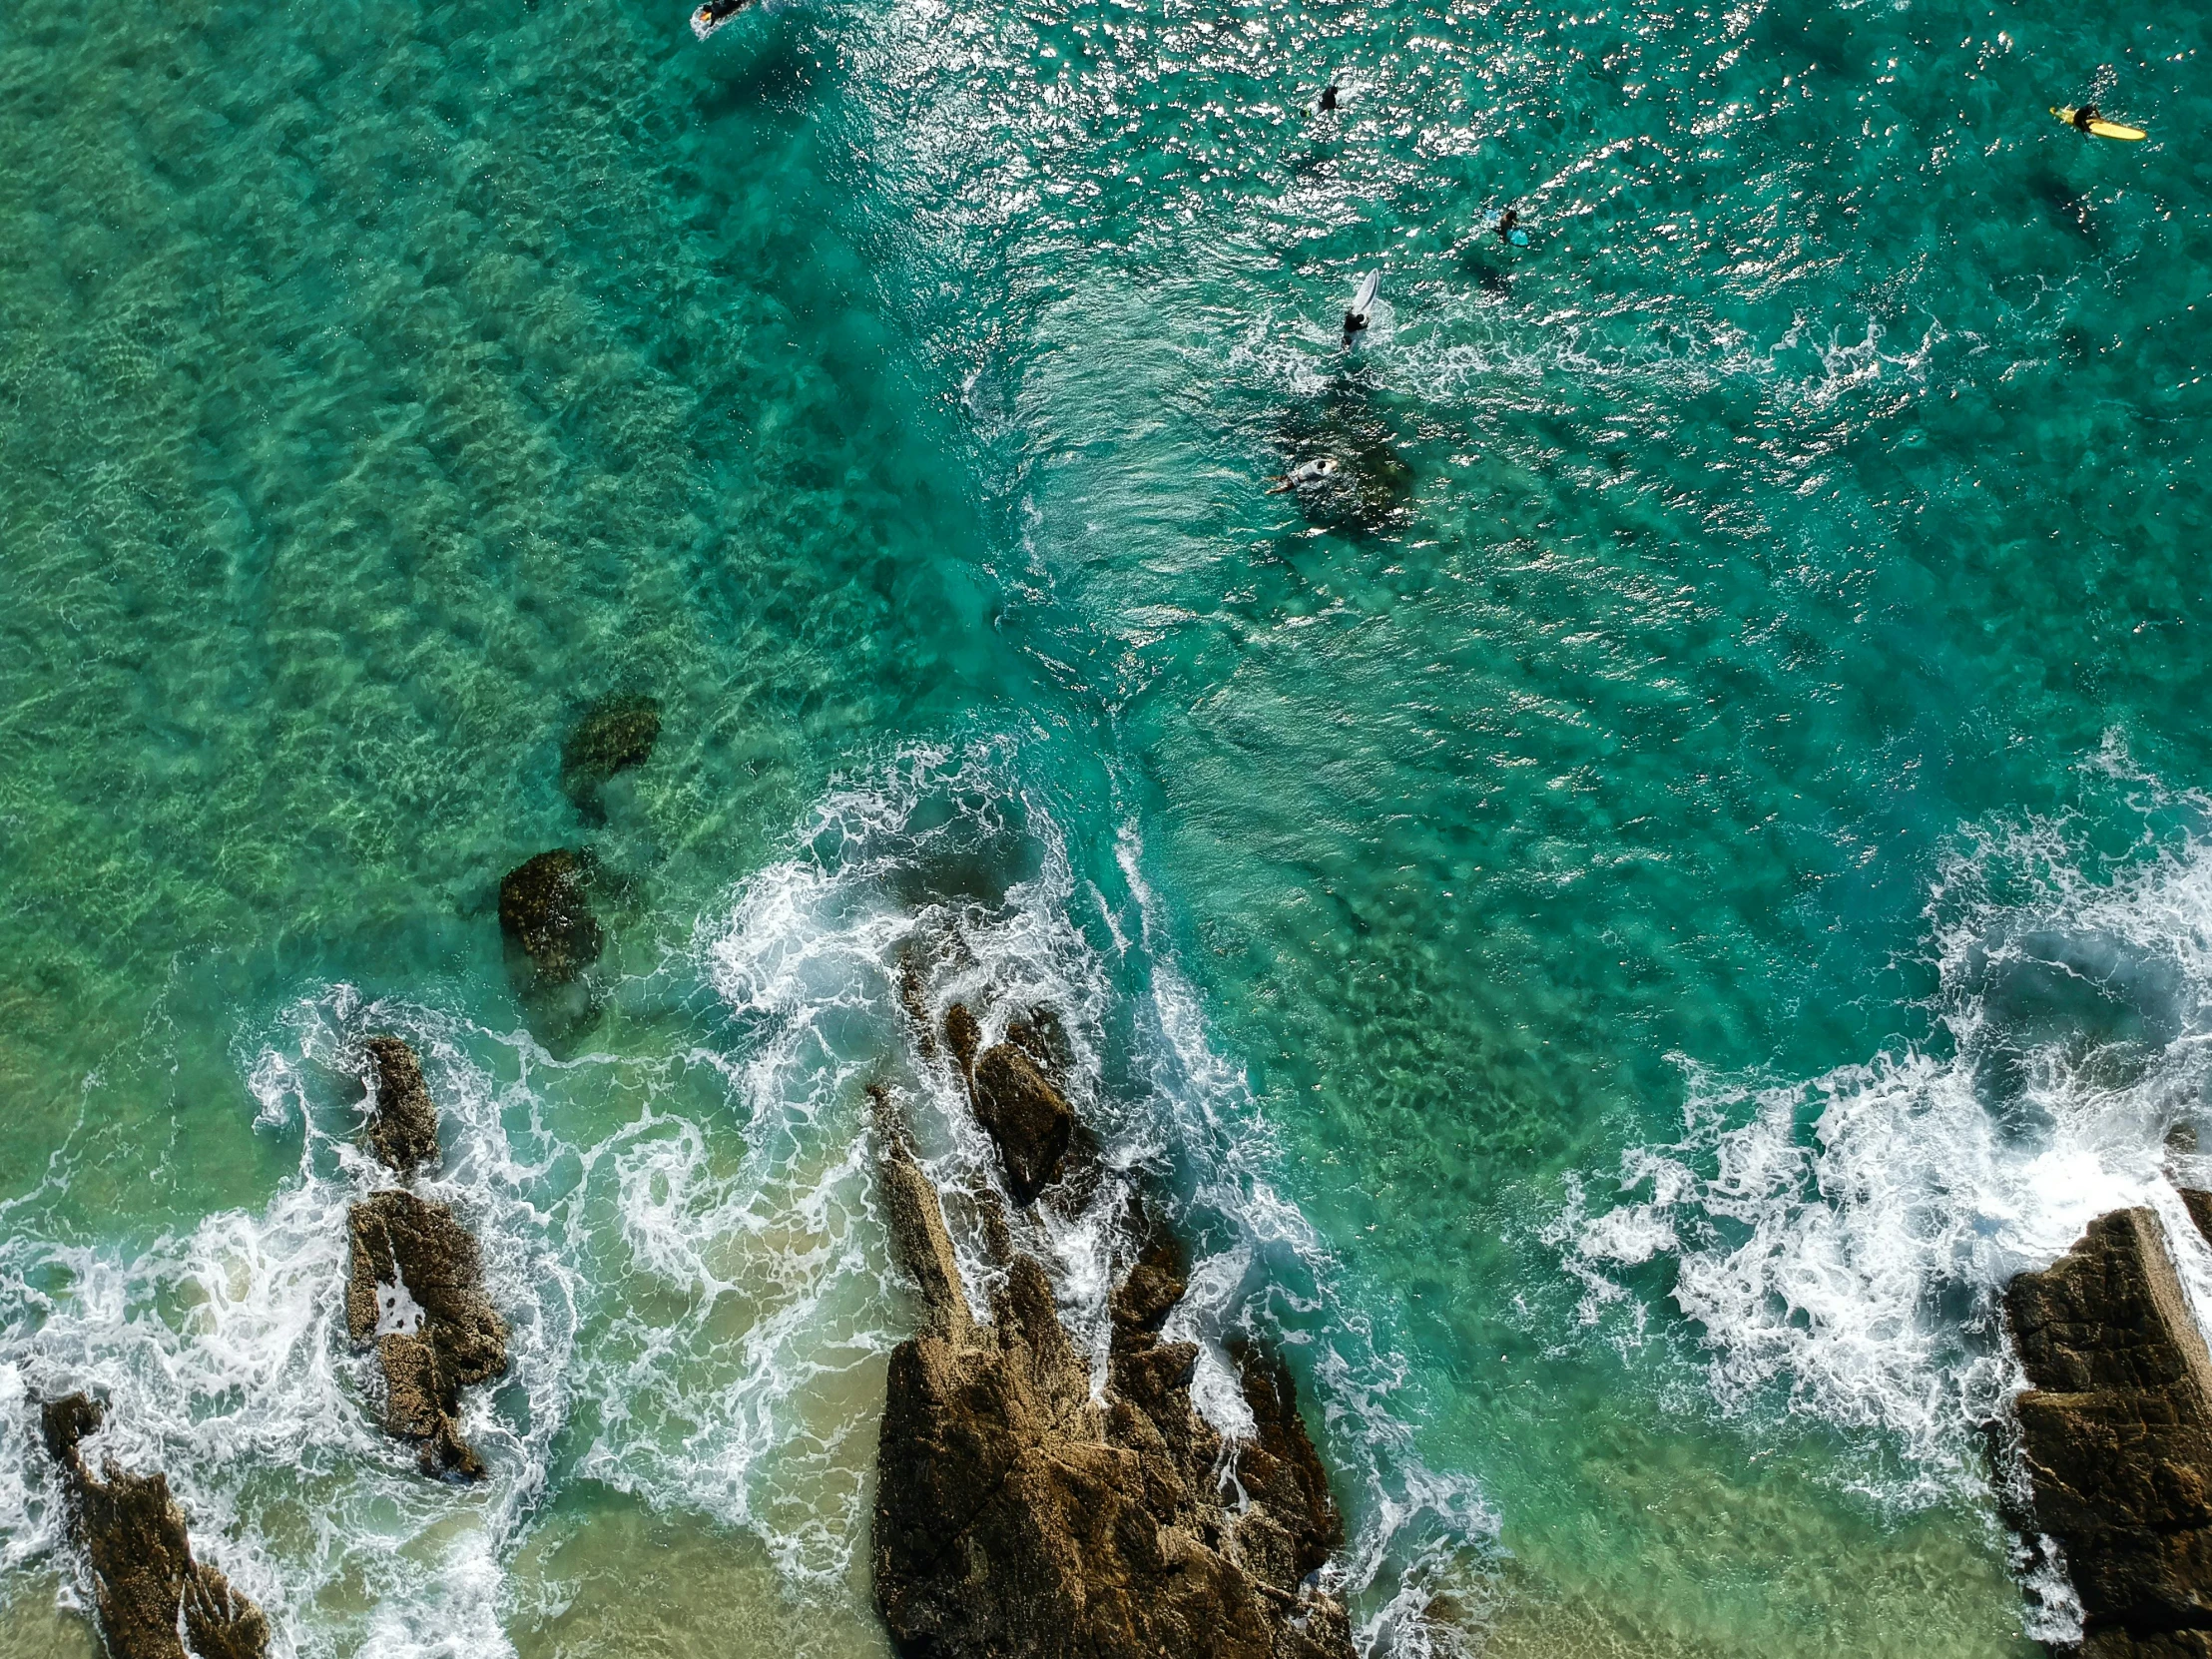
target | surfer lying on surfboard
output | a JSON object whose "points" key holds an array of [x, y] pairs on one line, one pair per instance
{"points": [[713, 15], [2086, 120]]}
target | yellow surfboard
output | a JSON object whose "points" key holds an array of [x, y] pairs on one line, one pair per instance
{"points": [[2104, 129]]}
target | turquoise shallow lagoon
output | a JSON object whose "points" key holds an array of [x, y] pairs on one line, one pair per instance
{"points": [[1620, 911]]}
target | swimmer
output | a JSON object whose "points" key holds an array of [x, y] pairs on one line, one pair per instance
{"points": [[1307, 472], [713, 15]]}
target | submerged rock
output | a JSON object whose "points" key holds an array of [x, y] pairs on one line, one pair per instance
{"points": [[1017, 1516], [402, 1127], [2117, 1434], [415, 1287], [147, 1587], [613, 737], [545, 914]]}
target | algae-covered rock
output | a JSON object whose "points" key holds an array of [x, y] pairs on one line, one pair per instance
{"points": [[415, 1288], [613, 737], [402, 1127], [148, 1592], [545, 914]]}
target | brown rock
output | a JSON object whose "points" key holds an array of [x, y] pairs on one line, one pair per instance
{"points": [[544, 913], [962, 1035], [2116, 1434], [135, 1541], [400, 1242], [1017, 1519], [2200, 1210], [402, 1128], [1025, 1115]]}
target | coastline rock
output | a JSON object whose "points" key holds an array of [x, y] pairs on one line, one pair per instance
{"points": [[545, 914], [2117, 1434], [1016, 1517], [415, 1288], [1022, 1110], [402, 1128], [614, 736], [1025, 1115], [145, 1581]]}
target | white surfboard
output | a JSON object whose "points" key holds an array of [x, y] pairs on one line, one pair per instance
{"points": [[1367, 291]]}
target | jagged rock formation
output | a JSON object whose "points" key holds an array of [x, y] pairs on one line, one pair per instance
{"points": [[402, 1128], [415, 1288], [2117, 1434], [545, 914], [147, 1587], [613, 737], [1017, 1519], [1022, 1110]]}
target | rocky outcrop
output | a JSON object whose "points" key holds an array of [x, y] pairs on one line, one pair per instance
{"points": [[402, 1127], [545, 914], [415, 1288], [151, 1599], [2116, 1435], [613, 737], [1018, 1518], [1022, 1110]]}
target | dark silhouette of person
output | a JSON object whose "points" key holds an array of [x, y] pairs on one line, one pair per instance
{"points": [[1329, 96]]}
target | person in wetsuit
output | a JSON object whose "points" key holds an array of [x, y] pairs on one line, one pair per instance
{"points": [[716, 11], [1327, 98], [2084, 116], [1505, 222], [1355, 322]]}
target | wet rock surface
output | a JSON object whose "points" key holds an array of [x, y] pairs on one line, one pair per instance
{"points": [[151, 1599], [2116, 1435], [1016, 1517], [1015, 1100], [613, 737], [1025, 1115], [415, 1288], [402, 1127], [545, 914]]}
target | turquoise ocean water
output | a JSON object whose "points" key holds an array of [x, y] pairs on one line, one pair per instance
{"points": [[1618, 915]]}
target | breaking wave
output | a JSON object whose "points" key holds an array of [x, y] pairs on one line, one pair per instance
{"points": [[1845, 1241]]}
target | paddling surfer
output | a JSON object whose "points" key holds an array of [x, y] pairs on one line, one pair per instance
{"points": [[713, 15]]}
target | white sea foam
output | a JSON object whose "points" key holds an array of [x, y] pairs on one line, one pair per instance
{"points": [[1846, 1239]]}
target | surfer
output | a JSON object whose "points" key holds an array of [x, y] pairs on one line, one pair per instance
{"points": [[1356, 316], [1306, 473], [1328, 98], [713, 15], [2084, 116], [1505, 222]]}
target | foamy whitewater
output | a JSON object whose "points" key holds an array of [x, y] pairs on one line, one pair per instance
{"points": [[1843, 1242]]}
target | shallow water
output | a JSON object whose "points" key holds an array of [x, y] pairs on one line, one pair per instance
{"points": [[1615, 924]]}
